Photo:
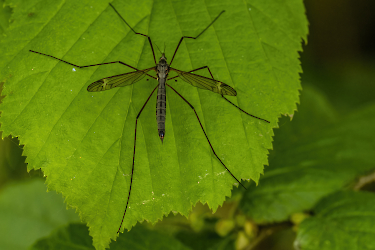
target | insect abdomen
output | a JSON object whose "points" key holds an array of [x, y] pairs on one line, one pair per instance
{"points": [[161, 104]]}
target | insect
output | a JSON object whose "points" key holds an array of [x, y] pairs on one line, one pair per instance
{"points": [[162, 69]]}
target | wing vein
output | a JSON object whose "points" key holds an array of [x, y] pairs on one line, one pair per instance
{"points": [[203, 82], [118, 80]]}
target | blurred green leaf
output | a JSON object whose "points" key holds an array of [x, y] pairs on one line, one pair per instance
{"points": [[309, 162], [72, 236], [84, 141], [76, 236], [344, 220], [204, 240], [27, 213], [12, 164]]}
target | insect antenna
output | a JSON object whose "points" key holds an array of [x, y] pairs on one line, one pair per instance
{"points": [[159, 49]]}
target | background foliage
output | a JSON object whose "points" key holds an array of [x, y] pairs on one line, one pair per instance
{"points": [[323, 152]]}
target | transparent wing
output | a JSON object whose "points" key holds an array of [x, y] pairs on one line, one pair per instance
{"points": [[205, 83], [118, 80]]}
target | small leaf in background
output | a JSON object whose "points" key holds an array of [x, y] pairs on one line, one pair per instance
{"points": [[344, 220], [313, 157], [76, 236], [28, 212], [12, 164], [72, 236], [84, 141]]}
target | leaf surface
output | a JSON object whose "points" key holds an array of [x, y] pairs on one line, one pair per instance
{"points": [[315, 155], [344, 220], [27, 213], [84, 141]]}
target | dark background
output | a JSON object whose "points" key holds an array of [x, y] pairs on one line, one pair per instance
{"points": [[339, 57]]}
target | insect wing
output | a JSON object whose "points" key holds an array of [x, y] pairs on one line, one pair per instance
{"points": [[205, 83], [118, 80]]}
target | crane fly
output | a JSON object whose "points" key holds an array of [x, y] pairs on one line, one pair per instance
{"points": [[162, 70]]}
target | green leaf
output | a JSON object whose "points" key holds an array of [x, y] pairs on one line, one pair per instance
{"points": [[344, 220], [27, 213], [72, 236], [310, 162], [84, 141], [76, 236]]}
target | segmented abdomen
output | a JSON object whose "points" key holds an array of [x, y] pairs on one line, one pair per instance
{"points": [[161, 104]]}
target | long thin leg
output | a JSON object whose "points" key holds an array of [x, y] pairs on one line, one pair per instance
{"points": [[135, 139], [182, 38], [206, 67], [191, 106], [245, 111], [86, 66], [149, 39]]}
